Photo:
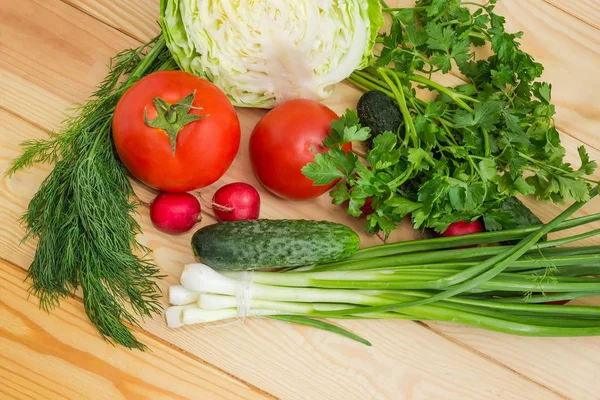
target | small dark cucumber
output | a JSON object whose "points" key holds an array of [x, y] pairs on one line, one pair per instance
{"points": [[379, 112], [522, 215], [264, 243]]}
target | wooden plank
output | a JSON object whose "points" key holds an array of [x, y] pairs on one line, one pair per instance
{"points": [[61, 356], [565, 365], [405, 357], [413, 363], [138, 19], [587, 11], [43, 63]]}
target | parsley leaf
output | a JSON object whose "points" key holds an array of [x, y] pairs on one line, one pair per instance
{"points": [[340, 193], [488, 170], [420, 159], [443, 62], [401, 206], [384, 154], [461, 51], [416, 36], [512, 121], [543, 91], [345, 130], [587, 166], [486, 115], [440, 38], [346, 162], [323, 170]]}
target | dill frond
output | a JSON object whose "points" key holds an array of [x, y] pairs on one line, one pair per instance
{"points": [[82, 212]]}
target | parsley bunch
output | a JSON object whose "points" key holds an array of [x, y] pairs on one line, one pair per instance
{"points": [[459, 156]]}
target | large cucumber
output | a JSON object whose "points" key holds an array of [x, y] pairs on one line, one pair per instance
{"points": [[264, 243]]}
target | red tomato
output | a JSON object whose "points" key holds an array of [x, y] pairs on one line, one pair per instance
{"points": [[284, 141], [204, 149]]}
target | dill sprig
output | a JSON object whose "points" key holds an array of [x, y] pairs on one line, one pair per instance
{"points": [[82, 213]]}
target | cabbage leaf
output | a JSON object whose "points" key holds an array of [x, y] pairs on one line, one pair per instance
{"points": [[261, 53]]}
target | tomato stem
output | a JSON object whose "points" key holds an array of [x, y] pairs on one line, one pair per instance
{"points": [[172, 118]]}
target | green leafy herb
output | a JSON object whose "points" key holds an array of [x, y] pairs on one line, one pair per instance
{"points": [[82, 213], [469, 149]]}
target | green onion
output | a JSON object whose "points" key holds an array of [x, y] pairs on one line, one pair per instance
{"points": [[491, 287]]}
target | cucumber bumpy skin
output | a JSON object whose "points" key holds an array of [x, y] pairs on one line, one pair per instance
{"points": [[264, 243]]}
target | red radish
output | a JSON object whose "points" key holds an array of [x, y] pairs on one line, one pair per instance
{"points": [[557, 302], [174, 212], [461, 228], [367, 208], [236, 201]]}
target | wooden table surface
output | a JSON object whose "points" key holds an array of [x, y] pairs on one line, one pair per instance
{"points": [[52, 55]]}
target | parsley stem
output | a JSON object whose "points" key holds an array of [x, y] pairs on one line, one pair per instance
{"points": [[479, 35], [456, 97], [392, 9], [371, 82], [468, 3], [544, 165], [398, 91], [454, 21], [358, 84], [400, 179], [486, 142]]}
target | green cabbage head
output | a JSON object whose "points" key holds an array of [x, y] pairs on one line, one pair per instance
{"points": [[263, 52]]}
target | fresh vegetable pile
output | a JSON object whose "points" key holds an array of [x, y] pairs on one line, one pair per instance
{"points": [[453, 161], [175, 132], [505, 288], [460, 156]]}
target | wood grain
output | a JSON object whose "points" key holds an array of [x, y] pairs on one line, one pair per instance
{"points": [[42, 72], [51, 52], [587, 11], [61, 356], [565, 365], [138, 19]]}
